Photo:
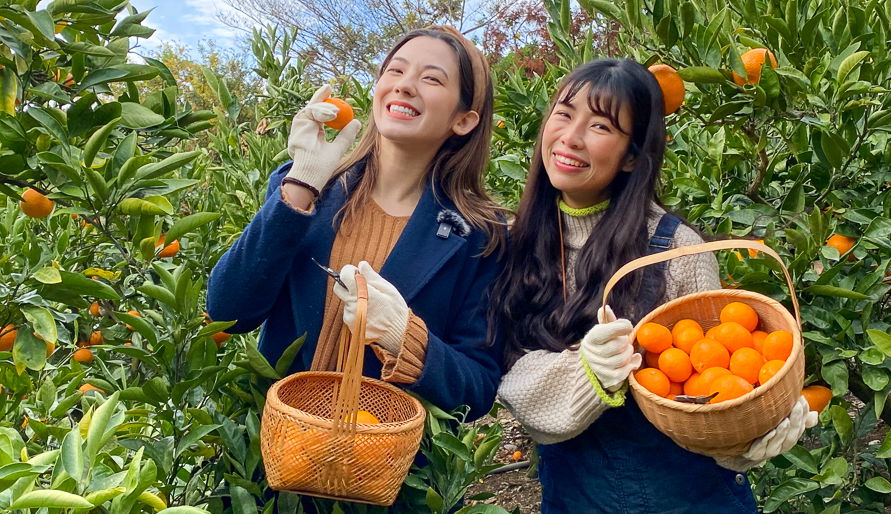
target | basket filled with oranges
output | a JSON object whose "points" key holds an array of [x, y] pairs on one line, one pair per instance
{"points": [[337, 434], [722, 367]]}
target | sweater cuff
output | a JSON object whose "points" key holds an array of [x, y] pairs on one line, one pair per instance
{"points": [[406, 367]]}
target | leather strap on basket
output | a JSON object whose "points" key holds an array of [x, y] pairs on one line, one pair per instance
{"points": [[727, 244]]}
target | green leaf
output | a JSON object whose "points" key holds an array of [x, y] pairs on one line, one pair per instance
{"points": [[158, 293], [882, 340], [42, 322], [884, 451], [98, 431], [29, 351], [185, 225], [99, 497], [102, 76], [258, 362], [836, 374], [787, 490], [850, 62], [51, 499], [79, 284], [802, 459], [876, 378], [136, 116], [47, 275], [840, 292], [288, 356], [702, 74], [434, 500], [142, 326], [156, 169], [153, 205], [184, 509], [844, 427], [214, 327], [879, 485], [72, 454], [97, 141], [193, 437], [453, 445]]}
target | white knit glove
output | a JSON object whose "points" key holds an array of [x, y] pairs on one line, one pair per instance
{"points": [[315, 159], [779, 440], [387, 316], [607, 348]]}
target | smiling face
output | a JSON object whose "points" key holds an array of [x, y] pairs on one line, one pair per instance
{"points": [[416, 97], [583, 150]]}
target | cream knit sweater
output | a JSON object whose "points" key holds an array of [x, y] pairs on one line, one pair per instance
{"points": [[548, 392]]}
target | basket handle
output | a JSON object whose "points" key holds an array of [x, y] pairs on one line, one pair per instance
{"points": [[350, 360], [727, 244]]}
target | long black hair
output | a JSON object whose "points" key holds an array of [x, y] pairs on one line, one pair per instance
{"points": [[527, 306]]}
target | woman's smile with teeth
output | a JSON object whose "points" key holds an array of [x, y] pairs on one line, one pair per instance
{"points": [[401, 109], [569, 161]]}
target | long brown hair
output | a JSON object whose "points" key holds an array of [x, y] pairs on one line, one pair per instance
{"points": [[460, 163]]}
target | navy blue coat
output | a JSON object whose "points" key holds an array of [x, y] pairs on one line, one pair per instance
{"points": [[267, 278]]}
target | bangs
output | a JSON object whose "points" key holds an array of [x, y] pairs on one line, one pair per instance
{"points": [[604, 98]]}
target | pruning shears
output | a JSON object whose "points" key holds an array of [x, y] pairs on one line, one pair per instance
{"points": [[333, 274]]}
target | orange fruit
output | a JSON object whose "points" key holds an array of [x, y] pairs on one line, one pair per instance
{"points": [[50, 348], [83, 355], [753, 60], [364, 417], [733, 336], [817, 396], [132, 313], [708, 375], [516, 456], [672, 86], [654, 381], [729, 387], [754, 253], [654, 337], [675, 363], [694, 386], [777, 345], [95, 310], [169, 250], [741, 313], [708, 353], [674, 389], [684, 324], [651, 359], [89, 387], [687, 337], [746, 363], [344, 113], [842, 243], [710, 333], [7, 337], [36, 204], [768, 370], [758, 340], [219, 338], [96, 338]]}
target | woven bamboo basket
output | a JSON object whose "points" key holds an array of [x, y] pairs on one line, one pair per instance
{"points": [[311, 442], [727, 428]]}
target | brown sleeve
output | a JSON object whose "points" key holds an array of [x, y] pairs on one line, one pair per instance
{"points": [[406, 367]]}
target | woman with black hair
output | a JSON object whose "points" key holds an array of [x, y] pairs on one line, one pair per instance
{"points": [[588, 208]]}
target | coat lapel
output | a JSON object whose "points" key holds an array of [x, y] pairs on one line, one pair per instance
{"points": [[420, 253]]}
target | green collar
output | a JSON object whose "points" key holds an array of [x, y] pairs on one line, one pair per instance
{"points": [[584, 211]]}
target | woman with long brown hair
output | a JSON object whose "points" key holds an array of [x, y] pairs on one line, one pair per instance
{"points": [[407, 208]]}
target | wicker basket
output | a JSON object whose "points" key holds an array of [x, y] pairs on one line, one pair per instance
{"points": [[727, 428], [310, 440]]}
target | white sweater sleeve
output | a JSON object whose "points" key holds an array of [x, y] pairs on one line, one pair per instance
{"points": [[549, 393]]}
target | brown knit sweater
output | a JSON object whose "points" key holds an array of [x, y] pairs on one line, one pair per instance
{"points": [[370, 235]]}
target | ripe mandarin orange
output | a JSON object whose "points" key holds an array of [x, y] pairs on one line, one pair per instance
{"points": [[674, 389], [95, 311], [651, 359], [654, 337], [817, 396], [366, 418], [758, 340], [132, 313], [654, 381], [83, 355], [741, 313], [777, 345], [219, 338], [7, 337], [89, 387], [733, 336], [675, 363], [672, 86], [768, 370], [694, 386], [96, 338], [169, 250], [709, 353], [746, 363], [753, 60], [729, 387], [684, 324], [710, 333], [344, 113], [710, 374], [842, 243], [687, 337], [36, 204], [50, 348]]}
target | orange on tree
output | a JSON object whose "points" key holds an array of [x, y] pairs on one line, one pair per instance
{"points": [[672, 86], [768, 370], [96, 337], [219, 338], [741, 313], [169, 250], [753, 61], [7, 337], [654, 337], [842, 243], [733, 336], [654, 381], [729, 387], [35, 204], [135, 314], [746, 363], [89, 387], [344, 113], [777, 345], [95, 310], [817, 396], [709, 353], [50, 348], [675, 363], [754, 253], [83, 355]]}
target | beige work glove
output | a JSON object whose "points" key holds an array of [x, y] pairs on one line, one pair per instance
{"points": [[315, 159], [779, 440], [608, 349], [387, 317]]}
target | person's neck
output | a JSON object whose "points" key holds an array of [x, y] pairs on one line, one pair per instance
{"points": [[400, 179]]}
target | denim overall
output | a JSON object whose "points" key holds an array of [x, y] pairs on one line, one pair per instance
{"points": [[622, 464]]}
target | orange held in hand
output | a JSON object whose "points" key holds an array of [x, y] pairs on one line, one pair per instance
{"points": [[344, 114], [672, 86], [654, 337], [654, 381], [36, 204]]}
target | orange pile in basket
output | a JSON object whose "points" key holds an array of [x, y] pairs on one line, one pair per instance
{"points": [[727, 361]]}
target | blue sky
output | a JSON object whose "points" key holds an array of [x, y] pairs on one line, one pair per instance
{"points": [[186, 21]]}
